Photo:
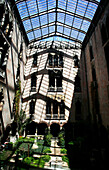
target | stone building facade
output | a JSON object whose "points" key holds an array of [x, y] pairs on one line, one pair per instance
{"points": [[49, 85], [94, 68], [13, 44]]}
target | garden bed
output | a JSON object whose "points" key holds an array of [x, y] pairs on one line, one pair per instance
{"points": [[5, 155]]}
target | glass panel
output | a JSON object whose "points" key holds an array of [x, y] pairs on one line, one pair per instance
{"points": [[32, 7], [27, 25], [74, 33], [51, 29], [60, 17], [22, 10], [51, 17], [30, 35], [60, 29], [67, 31], [37, 33], [51, 4], [62, 4], [77, 23], [71, 6], [91, 10], [35, 22], [81, 7], [81, 36], [85, 25], [42, 5], [69, 19], [44, 31], [43, 19]]}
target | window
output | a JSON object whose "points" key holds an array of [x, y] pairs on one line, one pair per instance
{"points": [[106, 50], [107, 25], [62, 110], [77, 84], [76, 64], [55, 80], [55, 60], [60, 60], [33, 82], [91, 52], [50, 60], [32, 107], [78, 110], [35, 59], [55, 109], [93, 74], [103, 34]]}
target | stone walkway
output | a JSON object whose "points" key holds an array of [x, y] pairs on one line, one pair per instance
{"points": [[56, 157]]}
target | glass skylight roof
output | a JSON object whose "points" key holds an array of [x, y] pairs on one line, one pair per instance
{"points": [[68, 19]]}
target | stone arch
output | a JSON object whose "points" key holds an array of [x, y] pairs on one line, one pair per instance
{"points": [[31, 128], [55, 129], [42, 128]]}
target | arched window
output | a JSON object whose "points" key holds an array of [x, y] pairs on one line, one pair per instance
{"points": [[103, 33], [32, 107], [33, 82], [78, 110], [35, 59]]}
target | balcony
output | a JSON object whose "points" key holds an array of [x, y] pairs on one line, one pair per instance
{"points": [[33, 89], [55, 117], [62, 116], [48, 116], [55, 89]]}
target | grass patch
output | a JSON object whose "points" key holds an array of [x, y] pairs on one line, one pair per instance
{"points": [[39, 162], [40, 149], [5, 155]]}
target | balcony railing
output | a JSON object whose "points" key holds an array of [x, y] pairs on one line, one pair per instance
{"points": [[62, 116], [55, 116], [33, 89], [55, 89], [48, 116]]}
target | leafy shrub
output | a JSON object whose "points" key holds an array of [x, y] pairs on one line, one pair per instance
{"points": [[61, 139], [28, 160], [48, 139], [46, 158], [65, 159], [47, 150], [38, 163], [71, 143], [4, 155], [61, 134], [64, 151]]}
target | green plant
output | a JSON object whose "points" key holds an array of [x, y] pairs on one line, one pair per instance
{"points": [[61, 141], [48, 139], [63, 150], [46, 158], [71, 143], [28, 160], [65, 159], [5, 155], [17, 96], [47, 150], [38, 163]]}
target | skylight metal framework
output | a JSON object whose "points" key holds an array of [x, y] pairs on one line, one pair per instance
{"points": [[69, 19]]}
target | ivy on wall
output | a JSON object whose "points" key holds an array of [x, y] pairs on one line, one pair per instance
{"points": [[17, 96]]}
